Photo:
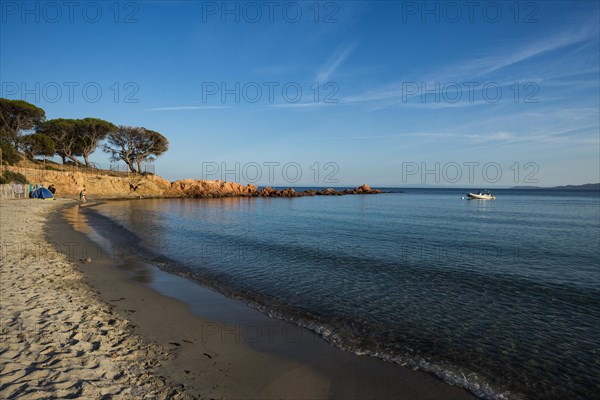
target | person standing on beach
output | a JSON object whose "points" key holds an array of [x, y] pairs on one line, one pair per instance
{"points": [[82, 195], [18, 189]]}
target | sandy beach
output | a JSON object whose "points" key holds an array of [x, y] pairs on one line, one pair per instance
{"points": [[114, 327], [58, 339]]}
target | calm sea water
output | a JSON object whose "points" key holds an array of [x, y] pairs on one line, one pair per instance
{"points": [[501, 297]]}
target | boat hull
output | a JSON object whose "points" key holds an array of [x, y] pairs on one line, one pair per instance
{"points": [[475, 196]]}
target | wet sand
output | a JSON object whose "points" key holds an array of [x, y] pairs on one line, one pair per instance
{"points": [[215, 347]]}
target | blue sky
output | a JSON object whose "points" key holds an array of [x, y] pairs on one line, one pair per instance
{"points": [[389, 90]]}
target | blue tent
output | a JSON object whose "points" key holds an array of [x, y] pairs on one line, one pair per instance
{"points": [[41, 193]]}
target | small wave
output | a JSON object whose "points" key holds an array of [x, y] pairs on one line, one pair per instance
{"points": [[450, 374], [344, 339]]}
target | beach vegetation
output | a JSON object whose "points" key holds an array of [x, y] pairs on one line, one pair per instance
{"points": [[67, 140], [135, 146], [24, 127], [91, 131], [37, 144], [17, 117], [10, 156], [12, 177]]}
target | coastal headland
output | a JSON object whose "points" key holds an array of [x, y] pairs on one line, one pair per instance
{"points": [[101, 184]]}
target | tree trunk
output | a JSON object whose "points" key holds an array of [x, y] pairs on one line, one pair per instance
{"points": [[75, 160], [130, 165], [139, 167], [86, 159]]}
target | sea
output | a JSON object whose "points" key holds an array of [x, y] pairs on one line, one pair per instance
{"points": [[500, 297]]}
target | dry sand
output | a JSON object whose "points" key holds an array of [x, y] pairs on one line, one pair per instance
{"points": [[58, 339]]}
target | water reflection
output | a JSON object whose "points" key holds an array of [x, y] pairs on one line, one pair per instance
{"points": [[481, 205], [138, 271], [76, 218]]}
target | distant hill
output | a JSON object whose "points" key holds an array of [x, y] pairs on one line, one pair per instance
{"points": [[587, 186]]}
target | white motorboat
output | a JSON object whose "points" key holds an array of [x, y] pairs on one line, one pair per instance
{"points": [[481, 196]]}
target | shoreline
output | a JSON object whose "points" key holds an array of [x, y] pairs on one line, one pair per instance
{"points": [[345, 374], [221, 348], [194, 344]]}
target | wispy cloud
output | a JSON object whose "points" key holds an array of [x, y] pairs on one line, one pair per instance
{"points": [[302, 105], [181, 108], [482, 67], [494, 136], [505, 57], [333, 63], [371, 137], [439, 104]]}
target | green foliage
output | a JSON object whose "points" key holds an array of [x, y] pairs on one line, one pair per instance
{"points": [[10, 176], [17, 116], [9, 155], [155, 143], [37, 144], [72, 138], [77, 137], [91, 132], [134, 146], [67, 140]]}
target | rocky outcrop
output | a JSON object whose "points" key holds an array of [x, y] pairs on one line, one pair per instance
{"points": [[270, 192], [365, 189], [103, 185], [204, 189], [291, 192]]}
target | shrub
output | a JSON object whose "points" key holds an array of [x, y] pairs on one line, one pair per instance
{"points": [[9, 155], [10, 176]]}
